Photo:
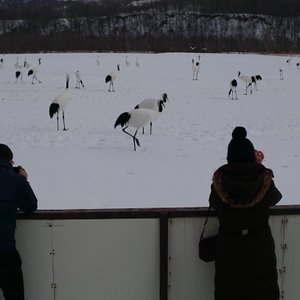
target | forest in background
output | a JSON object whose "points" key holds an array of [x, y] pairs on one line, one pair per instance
{"points": [[167, 25]]}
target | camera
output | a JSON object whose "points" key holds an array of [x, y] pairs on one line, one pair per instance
{"points": [[17, 169]]}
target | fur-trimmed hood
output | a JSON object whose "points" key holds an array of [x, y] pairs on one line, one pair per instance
{"points": [[242, 185]]}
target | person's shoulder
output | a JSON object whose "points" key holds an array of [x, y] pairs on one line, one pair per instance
{"points": [[221, 168]]}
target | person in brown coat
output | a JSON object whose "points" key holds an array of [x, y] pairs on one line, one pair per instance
{"points": [[242, 193]]}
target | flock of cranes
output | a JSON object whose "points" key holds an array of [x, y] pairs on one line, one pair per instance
{"points": [[143, 113], [248, 80], [251, 81], [31, 70]]}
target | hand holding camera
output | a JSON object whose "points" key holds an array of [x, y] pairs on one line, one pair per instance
{"points": [[19, 170], [259, 156]]}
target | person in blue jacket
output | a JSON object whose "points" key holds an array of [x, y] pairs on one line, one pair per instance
{"points": [[15, 194]]}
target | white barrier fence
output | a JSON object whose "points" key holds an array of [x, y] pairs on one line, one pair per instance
{"points": [[134, 258]]}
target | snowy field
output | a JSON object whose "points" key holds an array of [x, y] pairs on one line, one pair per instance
{"points": [[93, 165]]}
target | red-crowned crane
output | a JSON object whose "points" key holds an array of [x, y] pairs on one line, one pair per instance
{"points": [[247, 80], [79, 81], [59, 104], [19, 70], [233, 86], [196, 68], [33, 72], [255, 78], [154, 104], [137, 119], [111, 78]]}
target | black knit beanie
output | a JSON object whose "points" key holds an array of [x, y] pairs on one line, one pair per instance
{"points": [[240, 149], [5, 152]]}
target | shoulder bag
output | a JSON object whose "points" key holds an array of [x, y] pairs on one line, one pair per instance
{"points": [[207, 245]]}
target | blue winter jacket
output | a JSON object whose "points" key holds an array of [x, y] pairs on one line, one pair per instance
{"points": [[15, 194]]}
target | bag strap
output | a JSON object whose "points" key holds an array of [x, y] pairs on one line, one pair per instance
{"points": [[205, 222]]}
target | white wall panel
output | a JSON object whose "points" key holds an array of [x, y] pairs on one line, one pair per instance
{"points": [[106, 259], [189, 277], [116, 259], [34, 244], [290, 257]]}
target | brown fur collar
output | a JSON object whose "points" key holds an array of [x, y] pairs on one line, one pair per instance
{"points": [[227, 198]]}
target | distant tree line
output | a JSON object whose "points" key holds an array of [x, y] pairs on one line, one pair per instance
{"points": [[264, 7], [41, 13], [50, 9]]}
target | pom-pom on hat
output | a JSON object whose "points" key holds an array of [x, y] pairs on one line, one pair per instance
{"points": [[240, 149]]}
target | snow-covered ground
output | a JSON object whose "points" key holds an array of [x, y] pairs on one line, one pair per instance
{"points": [[93, 165]]}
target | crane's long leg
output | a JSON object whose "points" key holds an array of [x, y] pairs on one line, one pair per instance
{"points": [[57, 121], [63, 116], [34, 77], [229, 93], [111, 85], [150, 127], [135, 140], [235, 94], [249, 86]]}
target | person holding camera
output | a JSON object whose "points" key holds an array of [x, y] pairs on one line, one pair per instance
{"points": [[242, 193], [15, 194]]}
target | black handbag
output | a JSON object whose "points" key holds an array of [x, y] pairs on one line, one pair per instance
{"points": [[207, 245]]}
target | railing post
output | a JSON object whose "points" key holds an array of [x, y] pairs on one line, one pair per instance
{"points": [[164, 252]]}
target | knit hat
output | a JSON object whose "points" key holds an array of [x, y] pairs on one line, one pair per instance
{"points": [[5, 152], [240, 149]]}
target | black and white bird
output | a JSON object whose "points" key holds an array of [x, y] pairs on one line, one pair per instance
{"points": [[59, 104], [19, 70], [255, 78], [111, 77], [79, 81], [154, 104], [247, 80], [1, 64], [232, 88], [196, 68], [137, 118], [33, 72], [281, 74], [26, 64], [19, 74]]}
